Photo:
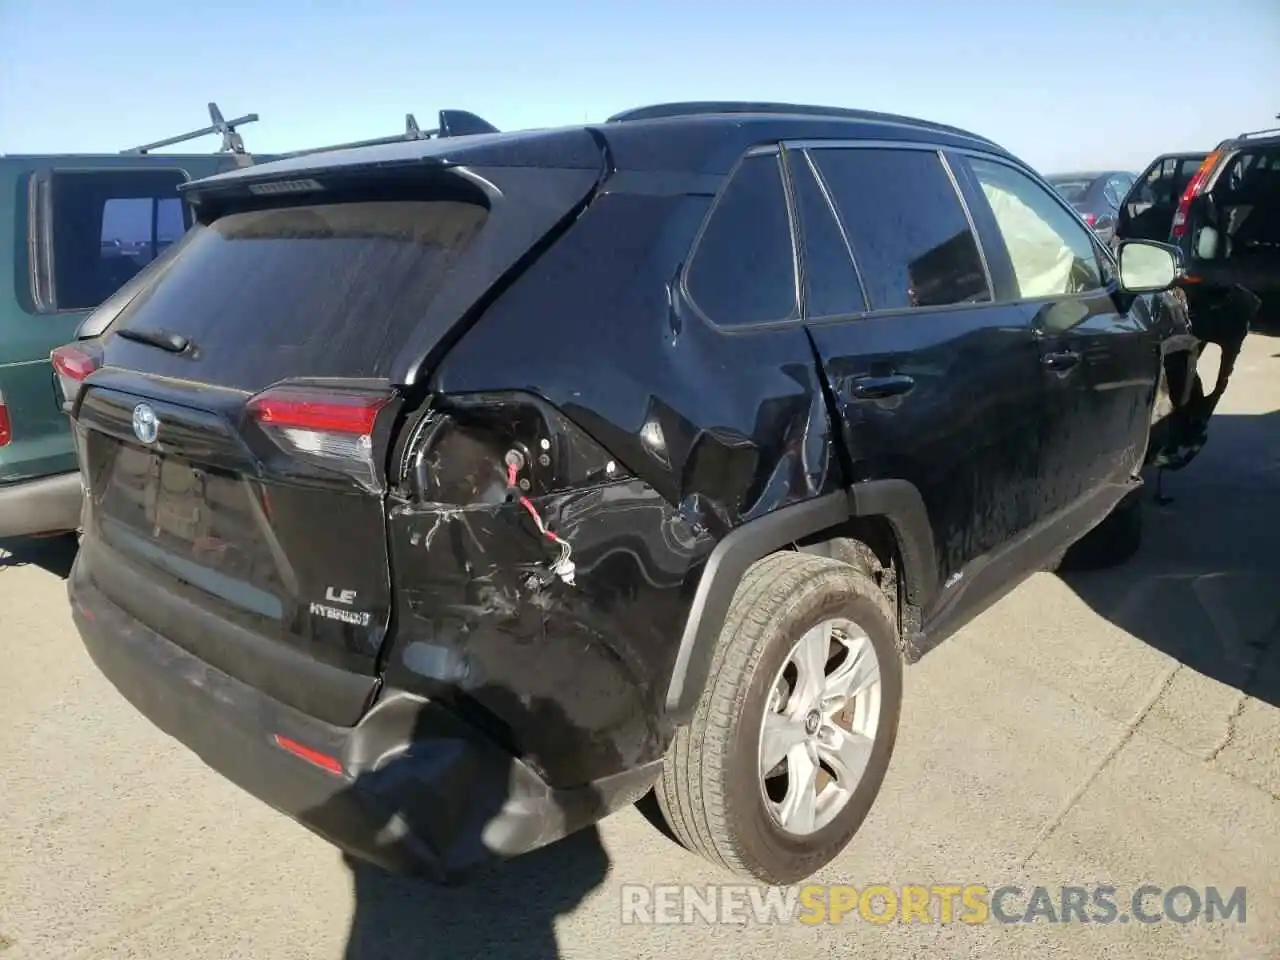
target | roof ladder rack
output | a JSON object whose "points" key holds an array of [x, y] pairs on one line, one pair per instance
{"points": [[232, 142], [411, 132], [453, 123]]}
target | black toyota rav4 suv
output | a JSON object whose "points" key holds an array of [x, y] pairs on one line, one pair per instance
{"points": [[449, 495]]}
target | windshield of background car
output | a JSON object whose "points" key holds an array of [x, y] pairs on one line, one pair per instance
{"points": [[1072, 191]]}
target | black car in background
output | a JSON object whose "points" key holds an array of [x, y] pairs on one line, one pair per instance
{"points": [[1221, 209], [1096, 195]]}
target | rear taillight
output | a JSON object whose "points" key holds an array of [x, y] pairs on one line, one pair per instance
{"points": [[72, 364], [6, 425], [461, 452], [324, 428], [1194, 186], [1090, 218]]}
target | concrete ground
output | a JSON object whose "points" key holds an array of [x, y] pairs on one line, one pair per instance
{"points": [[1118, 728]]}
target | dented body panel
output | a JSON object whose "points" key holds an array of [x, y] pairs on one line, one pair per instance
{"points": [[725, 426], [476, 613]]}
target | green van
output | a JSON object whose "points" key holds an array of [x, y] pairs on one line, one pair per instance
{"points": [[75, 228]]}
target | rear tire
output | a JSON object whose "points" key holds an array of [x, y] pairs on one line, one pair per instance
{"points": [[713, 793]]}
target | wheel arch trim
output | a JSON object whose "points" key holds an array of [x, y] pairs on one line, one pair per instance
{"points": [[898, 501]]}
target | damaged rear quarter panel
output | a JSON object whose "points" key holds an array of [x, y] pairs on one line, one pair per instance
{"points": [[481, 622], [716, 427]]}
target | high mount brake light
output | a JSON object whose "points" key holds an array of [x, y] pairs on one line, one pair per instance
{"points": [[323, 427], [73, 364], [1194, 186]]}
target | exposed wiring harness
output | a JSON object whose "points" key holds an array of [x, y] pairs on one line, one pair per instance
{"points": [[563, 567]]}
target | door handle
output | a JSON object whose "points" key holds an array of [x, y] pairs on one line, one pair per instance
{"points": [[1060, 361], [878, 388]]}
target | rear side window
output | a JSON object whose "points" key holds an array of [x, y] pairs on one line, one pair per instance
{"points": [[910, 236], [97, 229], [743, 267], [1250, 176], [321, 291]]}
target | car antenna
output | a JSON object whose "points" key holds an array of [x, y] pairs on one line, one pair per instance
{"points": [[232, 142]]}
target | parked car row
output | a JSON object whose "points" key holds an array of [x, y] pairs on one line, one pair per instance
{"points": [[476, 484]]}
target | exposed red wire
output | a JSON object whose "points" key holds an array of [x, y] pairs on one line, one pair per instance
{"points": [[524, 501]]}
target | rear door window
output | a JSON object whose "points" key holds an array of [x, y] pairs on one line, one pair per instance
{"points": [[97, 229], [1185, 169], [831, 284], [743, 267], [326, 290], [1165, 180], [1159, 186], [907, 226]]}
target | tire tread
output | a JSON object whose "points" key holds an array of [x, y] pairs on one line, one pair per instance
{"points": [[691, 788]]}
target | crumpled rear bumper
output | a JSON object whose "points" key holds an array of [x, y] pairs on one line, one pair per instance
{"points": [[411, 788]]}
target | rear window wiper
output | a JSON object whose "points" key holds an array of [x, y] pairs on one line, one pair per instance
{"points": [[164, 339]]}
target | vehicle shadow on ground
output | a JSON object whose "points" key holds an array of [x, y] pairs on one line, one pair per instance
{"points": [[54, 554], [504, 909], [1205, 586]]}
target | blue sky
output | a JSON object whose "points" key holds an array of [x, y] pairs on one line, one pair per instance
{"points": [[1079, 83]]}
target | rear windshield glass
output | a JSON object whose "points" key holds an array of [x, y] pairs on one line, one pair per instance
{"points": [[308, 291], [1072, 191]]}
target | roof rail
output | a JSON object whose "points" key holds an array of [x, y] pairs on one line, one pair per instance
{"points": [[1270, 132], [662, 111], [452, 123], [232, 142], [693, 108]]}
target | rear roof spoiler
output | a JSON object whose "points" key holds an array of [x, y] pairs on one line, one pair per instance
{"points": [[452, 123]]}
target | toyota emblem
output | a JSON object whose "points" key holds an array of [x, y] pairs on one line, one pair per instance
{"points": [[145, 424]]}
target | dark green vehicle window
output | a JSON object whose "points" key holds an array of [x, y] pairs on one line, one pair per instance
{"points": [[96, 229]]}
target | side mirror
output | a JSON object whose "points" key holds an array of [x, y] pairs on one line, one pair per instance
{"points": [[1147, 267]]}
